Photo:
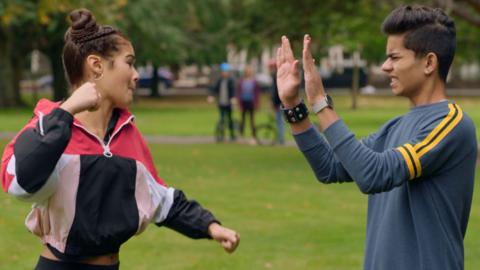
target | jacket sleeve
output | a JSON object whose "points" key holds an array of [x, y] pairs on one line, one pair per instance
{"points": [[231, 88], [320, 156], [172, 208], [188, 217], [29, 171]]}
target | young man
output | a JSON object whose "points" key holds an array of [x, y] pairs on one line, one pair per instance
{"points": [[418, 169], [224, 91]]}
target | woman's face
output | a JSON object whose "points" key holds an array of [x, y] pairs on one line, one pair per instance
{"points": [[120, 77]]}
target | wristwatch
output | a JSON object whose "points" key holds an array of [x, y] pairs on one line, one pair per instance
{"points": [[295, 114], [327, 101]]}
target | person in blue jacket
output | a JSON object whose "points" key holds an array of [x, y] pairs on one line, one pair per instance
{"points": [[418, 168]]}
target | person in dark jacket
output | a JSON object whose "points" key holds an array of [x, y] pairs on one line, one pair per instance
{"points": [[276, 103], [223, 91], [85, 166]]}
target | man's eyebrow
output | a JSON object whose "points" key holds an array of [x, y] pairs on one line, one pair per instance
{"points": [[391, 54], [130, 56]]}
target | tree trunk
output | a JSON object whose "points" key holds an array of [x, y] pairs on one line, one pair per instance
{"points": [[17, 74], [7, 95], [355, 79], [60, 86], [154, 82]]}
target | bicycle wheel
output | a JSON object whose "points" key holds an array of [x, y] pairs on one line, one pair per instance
{"points": [[219, 132], [236, 127], [266, 134]]}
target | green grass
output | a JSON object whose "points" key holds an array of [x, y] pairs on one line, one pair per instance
{"points": [[177, 116], [287, 220]]}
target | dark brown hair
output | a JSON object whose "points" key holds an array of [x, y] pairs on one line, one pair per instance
{"points": [[426, 30], [85, 37]]}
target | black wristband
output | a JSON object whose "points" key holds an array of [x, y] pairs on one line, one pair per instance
{"points": [[295, 114]]}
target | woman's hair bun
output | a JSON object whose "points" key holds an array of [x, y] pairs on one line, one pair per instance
{"points": [[84, 26]]}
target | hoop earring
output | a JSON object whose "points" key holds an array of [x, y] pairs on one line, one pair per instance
{"points": [[98, 78]]}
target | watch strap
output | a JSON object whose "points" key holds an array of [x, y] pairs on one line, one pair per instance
{"points": [[326, 101], [319, 105]]}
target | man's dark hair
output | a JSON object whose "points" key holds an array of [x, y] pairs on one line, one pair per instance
{"points": [[426, 30]]}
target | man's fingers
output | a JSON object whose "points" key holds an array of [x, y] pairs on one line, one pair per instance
{"points": [[294, 67], [287, 49], [279, 59], [308, 61]]}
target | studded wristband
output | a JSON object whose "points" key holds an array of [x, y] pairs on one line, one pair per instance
{"points": [[295, 114]]}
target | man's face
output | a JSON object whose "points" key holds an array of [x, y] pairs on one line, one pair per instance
{"points": [[406, 72], [225, 74]]}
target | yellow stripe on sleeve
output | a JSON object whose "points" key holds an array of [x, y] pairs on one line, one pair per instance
{"points": [[416, 159], [437, 129], [408, 161], [444, 132]]}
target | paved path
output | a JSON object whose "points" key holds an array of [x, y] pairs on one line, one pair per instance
{"points": [[202, 91], [170, 139], [190, 140]]}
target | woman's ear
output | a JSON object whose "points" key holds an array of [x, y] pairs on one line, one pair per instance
{"points": [[94, 66], [431, 63]]}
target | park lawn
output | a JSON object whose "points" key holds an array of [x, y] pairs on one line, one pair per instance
{"points": [[193, 116], [287, 220]]}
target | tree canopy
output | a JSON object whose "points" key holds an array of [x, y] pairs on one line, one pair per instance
{"points": [[177, 32]]}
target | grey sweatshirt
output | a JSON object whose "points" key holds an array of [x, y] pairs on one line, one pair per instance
{"points": [[418, 171]]}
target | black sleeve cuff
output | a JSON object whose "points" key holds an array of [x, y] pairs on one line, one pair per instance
{"points": [[188, 217]]}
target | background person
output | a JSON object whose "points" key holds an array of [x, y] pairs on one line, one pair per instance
{"points": [[276, 104], [224, 92], [248, 94]]}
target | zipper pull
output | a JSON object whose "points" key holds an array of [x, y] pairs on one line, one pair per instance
{"points": [[106, 151]]}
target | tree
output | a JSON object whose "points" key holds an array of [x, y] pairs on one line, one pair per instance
{"points": [[17, 28], [172, 33], [466, 9], [38, 24]]}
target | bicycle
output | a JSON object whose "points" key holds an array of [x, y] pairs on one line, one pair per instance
{"points": [[267, 132], [219, 132]]}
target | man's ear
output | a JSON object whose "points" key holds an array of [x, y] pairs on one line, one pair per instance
{"points": [[431, 63], [94, 65]]}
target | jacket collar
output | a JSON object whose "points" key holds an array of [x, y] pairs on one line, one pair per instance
{"points": [[45, 106]]}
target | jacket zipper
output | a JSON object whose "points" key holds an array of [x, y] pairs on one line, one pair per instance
{"points": [[106, 147]]}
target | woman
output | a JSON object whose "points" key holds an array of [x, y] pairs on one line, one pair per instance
{"points": [[248, 94], [84, 164]]}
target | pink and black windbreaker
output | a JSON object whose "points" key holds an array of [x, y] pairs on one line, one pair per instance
{"points": [[90, 195]]}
